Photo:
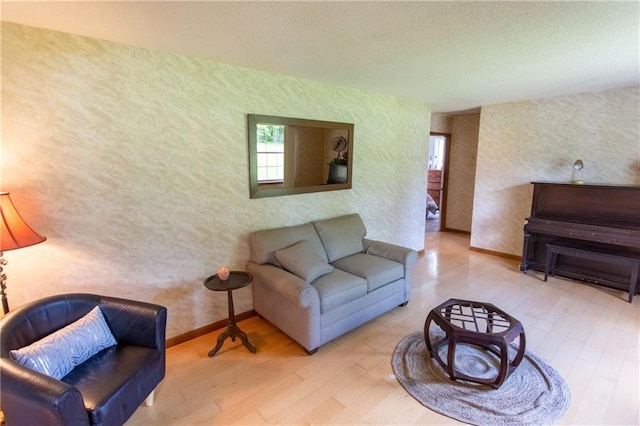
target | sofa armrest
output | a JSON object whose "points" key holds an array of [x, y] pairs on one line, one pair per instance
{"points": [[36, 398], [287, 302], [136, 323], [284, 283], [408, 257]]}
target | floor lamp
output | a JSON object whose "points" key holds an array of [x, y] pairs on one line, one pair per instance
{"points": [[14, 234]]}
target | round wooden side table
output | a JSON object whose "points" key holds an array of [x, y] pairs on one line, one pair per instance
{"points": [[237, 279]]}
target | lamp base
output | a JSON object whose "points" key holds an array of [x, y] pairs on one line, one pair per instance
{"points": [[3, 285]]}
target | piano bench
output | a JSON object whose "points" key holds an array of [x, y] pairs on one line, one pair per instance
{"points": [[619, 259]]}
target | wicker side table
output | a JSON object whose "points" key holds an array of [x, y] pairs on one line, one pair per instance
{"points": [[478, 324]]}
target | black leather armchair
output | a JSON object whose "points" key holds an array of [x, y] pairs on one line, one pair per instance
{"points": [[104, 390]]}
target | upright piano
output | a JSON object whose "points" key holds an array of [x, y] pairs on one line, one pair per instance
{"points": [[600, 217]]}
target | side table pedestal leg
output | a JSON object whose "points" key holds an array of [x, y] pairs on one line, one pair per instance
{"points": [[221, 339], [232, 331], [245, 341]]}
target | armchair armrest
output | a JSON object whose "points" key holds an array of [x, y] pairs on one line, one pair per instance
{"points": [[284, 283], [408, 257], [135, 323], [39, 399]]}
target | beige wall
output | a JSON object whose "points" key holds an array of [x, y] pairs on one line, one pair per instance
{"points": [[309, 161], [133, 163], [462, 166], [539, 141], [462, 169], [441, 123]]}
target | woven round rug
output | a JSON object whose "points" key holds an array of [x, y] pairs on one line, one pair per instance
{"points": [[534, 393]]}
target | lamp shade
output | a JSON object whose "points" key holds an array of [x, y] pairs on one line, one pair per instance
{"points": [[14, 231]]}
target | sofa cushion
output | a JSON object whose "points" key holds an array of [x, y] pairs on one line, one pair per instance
{"points": [[378, 271], [341, 236], [337, 288], [58, 353], [266, 242], [302, 259]]}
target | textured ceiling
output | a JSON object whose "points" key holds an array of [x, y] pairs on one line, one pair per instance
{"points": [[452, 55]]}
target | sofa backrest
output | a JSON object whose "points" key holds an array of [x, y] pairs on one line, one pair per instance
{"points": [[341, 236], [264, 243]]}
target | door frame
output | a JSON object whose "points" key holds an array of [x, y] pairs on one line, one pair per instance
{"points": [[445, 178]]}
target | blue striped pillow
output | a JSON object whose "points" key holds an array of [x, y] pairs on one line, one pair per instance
{"points": [[58, 353]]}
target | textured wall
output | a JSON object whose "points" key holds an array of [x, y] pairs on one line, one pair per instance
{"points": [[462, 166], [134, 165], [441, 123], [539, 141], [462, 170]]}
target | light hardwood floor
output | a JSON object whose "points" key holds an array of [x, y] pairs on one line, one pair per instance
{"points": [[588, 333]]}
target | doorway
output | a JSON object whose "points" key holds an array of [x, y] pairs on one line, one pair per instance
{"points": [[437, 177]]}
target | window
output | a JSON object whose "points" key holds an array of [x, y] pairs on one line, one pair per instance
{"points": [[436, 152], [270, 153]]}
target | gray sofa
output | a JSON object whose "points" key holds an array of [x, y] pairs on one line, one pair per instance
{"points": [[318, 280]]}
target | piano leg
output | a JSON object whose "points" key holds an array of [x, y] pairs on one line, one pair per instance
{"points": [[524, 265], [633, 284]]}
